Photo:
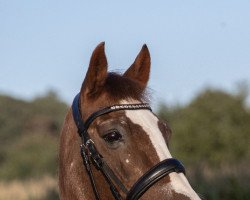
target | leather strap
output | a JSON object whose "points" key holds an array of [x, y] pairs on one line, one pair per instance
{"points": [[156, 173], [77, 114], [83, 126]]}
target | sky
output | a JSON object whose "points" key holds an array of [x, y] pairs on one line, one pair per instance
{"points": [[47, 44]]}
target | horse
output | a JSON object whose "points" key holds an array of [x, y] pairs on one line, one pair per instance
{"points": [[112, 146]]}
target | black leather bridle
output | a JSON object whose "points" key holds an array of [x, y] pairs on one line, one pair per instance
{"points": [[90, 155]]}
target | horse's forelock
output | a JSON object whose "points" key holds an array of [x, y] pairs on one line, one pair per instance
{"points": [[119, 88]]}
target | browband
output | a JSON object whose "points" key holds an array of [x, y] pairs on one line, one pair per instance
{"points": [[83, 126]]}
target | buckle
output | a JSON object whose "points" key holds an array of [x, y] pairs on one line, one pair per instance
{"points": [[93, 153], [86, 145], [88, 142]]}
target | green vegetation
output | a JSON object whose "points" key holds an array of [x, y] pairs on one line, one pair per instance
{"points": [[210, 135], [29, 134]]}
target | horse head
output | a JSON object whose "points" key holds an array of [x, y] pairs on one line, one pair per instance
{"points": [[130, 140]]}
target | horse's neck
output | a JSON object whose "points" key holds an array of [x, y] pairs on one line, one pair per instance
{"points": [[74, 182]]}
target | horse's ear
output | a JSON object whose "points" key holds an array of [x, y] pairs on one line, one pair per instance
{"points": [[97, 72], [140, 69]]}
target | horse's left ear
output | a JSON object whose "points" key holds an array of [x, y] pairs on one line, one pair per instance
{"points": [[140, 69], [97, 72]]}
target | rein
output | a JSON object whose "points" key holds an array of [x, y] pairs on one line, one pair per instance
{"points": [[90, 155]]}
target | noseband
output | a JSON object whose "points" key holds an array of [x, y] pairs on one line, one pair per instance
{"points": [[90, 155]]}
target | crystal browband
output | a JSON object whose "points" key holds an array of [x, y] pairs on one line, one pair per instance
{"points": [[115, 108], [130, 106]]}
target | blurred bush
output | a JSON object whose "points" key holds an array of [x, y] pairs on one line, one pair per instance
{"points": [[29, 135], [212, 137]]}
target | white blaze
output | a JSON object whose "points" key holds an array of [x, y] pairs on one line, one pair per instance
{"points": [[180, 185], [149, 123]]}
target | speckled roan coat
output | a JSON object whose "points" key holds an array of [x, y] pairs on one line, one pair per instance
{"points": [[101, 89]]}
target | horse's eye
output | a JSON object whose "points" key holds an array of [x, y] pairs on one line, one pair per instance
{"points": [[112, 136]]}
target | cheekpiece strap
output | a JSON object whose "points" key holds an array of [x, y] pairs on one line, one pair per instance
{"points": [[76, 113]]}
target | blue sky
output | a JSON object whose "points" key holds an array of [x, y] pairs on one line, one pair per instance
{"points": [[46, 44]]}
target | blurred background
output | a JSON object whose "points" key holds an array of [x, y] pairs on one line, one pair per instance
{"points": [[199, 82]]}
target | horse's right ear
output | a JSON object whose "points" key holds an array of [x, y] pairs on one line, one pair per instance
{"points": [[140, 69], [96, 74]]}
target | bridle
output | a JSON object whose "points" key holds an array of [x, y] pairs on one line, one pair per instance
{"points": [[90, 155]]}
